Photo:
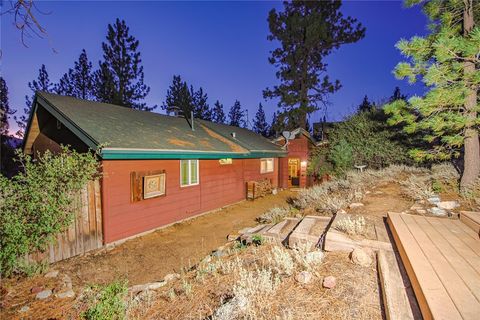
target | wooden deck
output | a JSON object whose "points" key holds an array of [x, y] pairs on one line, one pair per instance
{"points": [[442, 260]]}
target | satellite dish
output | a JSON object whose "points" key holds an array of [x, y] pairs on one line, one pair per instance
{"points": [[288, 135]]}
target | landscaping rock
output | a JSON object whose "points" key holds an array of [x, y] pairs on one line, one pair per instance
{"points": [[329, 282], [434, 200], [356, 205], [304, 277], [24, 309], [65, 294], [232, 237], [171, 276], [361, 257], [51, 274], [421, 211], [437, 211], [448, 205], [147, 286], [67, 281], [43, 294], [36, 289], [378, 192], [314, 257], [341, 211], [416, 207]]}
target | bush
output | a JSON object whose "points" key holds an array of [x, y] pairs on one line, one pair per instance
{"points": [[274, 215], [341, 156], [351, 225], [107, 302], [36, 204]]}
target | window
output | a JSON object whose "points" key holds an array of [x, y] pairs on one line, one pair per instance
{"points": [[188, 172], [266, 165]]}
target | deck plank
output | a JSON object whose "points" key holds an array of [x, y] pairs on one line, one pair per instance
{"points": [[466, 252], [456, 227], [465, 302], [470, 277], [432, 297]]}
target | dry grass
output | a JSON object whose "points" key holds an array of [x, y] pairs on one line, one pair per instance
{"points": [[351, 225], [418, 187], [275, 215]]}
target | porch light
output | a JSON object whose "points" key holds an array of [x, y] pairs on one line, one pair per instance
{"points": [[303, 163]]}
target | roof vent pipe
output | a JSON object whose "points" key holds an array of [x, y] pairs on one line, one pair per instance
{"points": [[234, 135]]}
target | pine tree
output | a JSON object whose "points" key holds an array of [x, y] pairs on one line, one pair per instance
{"points": [[178, 97], [5, 111], [79, 81], [260, 124], [278, 124], [236, 115], [201, 109], [397, 95], [120, 78], [42, 83], [365, 106], [447, 61], [308, 31], [218, 115]]}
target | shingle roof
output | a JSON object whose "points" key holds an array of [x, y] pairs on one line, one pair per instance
{"points": [[131, 133]]}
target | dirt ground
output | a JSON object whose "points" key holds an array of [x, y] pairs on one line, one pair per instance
{"points": [[150, 257]]}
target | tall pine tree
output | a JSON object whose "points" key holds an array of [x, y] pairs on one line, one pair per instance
{"points": [[79, 81], [178, 97], [120, 78], [397, 95], [366, 105], [42, 83], [308, 31], [5, 111], [201, 109], [260, 124], [447, 60], [218, 115], [236, 115]]}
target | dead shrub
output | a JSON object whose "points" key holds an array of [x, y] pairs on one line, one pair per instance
{"points": [[418, 187]]}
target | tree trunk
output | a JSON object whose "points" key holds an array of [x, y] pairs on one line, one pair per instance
{"points": [[471, 160]]}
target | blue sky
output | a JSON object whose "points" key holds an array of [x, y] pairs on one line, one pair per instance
{"points": [[221, 46]]}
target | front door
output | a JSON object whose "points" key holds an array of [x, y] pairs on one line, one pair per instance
{"points": [[293, 172]]}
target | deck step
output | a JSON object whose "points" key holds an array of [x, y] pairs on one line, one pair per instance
{"points": [[279, 232], [472, 220], [309, 231], [398, 298]]}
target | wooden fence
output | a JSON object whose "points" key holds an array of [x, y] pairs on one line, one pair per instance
{"points": [[84, 234]]}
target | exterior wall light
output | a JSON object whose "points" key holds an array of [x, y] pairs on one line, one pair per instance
{"points": [[303, 163]]}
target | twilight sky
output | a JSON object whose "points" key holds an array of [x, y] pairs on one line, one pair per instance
{"points": [[221, 46]]}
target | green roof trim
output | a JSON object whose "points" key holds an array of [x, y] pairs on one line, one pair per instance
{"points": [[134, 134]]}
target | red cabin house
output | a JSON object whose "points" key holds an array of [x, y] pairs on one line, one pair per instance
{"points": [[157, 169]]}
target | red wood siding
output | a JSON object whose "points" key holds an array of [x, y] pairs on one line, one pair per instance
{"points": [[219, 185], [297, 148]]}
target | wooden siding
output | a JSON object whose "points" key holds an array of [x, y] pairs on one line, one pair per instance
{"points": [[219, 185], [84, 234]]}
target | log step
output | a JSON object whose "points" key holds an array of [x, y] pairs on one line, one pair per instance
{"points": [[280, 232], [309, 231]]}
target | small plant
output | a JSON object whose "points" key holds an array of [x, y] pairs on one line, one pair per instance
{"points": [[418, 187], [187, 287], [274, 215], [107, 302], [351, 225], [281, 260], [258, 240]]}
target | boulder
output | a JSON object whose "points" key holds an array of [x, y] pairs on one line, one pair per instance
{"points": [[361, 257], [329, 282], [171, 276], [51, 274], [416, 207], [36, 290], [434, 200], [421, 211], [448, 205], [314, 257], [437, 211], [304, 277], [356, 205], [43, 294], [147, 286], [24, 309], [65, 294], [232, 237]]}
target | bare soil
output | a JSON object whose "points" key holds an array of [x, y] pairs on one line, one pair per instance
{"points": [[140, 260]]}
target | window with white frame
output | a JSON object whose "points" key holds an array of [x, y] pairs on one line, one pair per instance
{"points": [[266, 165], [188, 173]]}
